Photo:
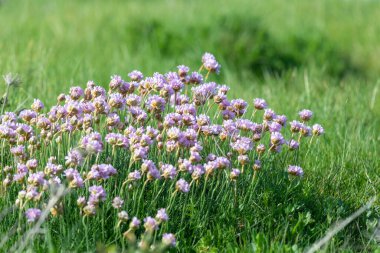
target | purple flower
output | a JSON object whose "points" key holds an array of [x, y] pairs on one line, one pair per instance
{"points": [[281, 119], [155, 104], [153, 173], [136, 76], [97, 193], [116, 100], [76, 182], [182, 185], [168, 171], [185, 165], [135, 223], [318, 130], [134, 175], [76, 92], [274, 127], [33, 214], [71, 173], [210, 63], [277, 139], [295, 170], [305, 130], [150, 224], [295, 126], [198, 171], [242, 145], [74, 158], [222, 162], [147, 165], [305, 114], [196, 78], [182, 70], [37, 179], [269, 114], [204, 92], [32, 164], [37, 105], [240, 106], [243, 159], [116, 139], [260, 104], [81, 201], [133, 100], [18, 150], [116, 82], [27, 115], [101, 171], [257, 165], [92, 143], [234, 174], [293, 145], [169, 240], [117, 202], [195, 157], [139, 153], [32, 193], [161, 215]]}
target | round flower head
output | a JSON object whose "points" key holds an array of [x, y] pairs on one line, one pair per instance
{"points": [[281, 119], [168, 171], [295, 170], [33, 214], [182, 70], [74, 158], [196, 78], [150, 224], [32, 164], [135, 223], [117, 202], [274, 127], [161, 215], [295, 126], [81, 201], [260, 148], [318, 130], [257, 165], [89, 210], [276, 138], [134, 175], [305, 115], [260, 104], [243, 159], [123, 216], [234, 174], [169, 240], [293, 145], [76, 92], [37, 105], [116, 82], [182, 185], [210, 63], [136, 76]]}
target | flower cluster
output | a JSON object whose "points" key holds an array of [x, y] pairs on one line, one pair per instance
{"points": [[142, 130]]}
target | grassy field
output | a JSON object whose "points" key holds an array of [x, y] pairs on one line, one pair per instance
{"points": [[320, 55]]}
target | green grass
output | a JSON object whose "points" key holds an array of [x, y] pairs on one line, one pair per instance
{"points": [[298, 54]]}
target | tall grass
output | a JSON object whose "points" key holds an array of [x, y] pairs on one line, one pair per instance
{"points": [[320, 56]]}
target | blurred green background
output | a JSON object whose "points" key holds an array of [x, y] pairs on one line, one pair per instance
{"points": [[54, 44]]}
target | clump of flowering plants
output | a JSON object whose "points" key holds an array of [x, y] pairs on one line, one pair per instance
{"points": [[143, 144]]}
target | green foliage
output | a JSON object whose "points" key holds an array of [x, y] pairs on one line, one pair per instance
{"points": [[321, 56]]}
